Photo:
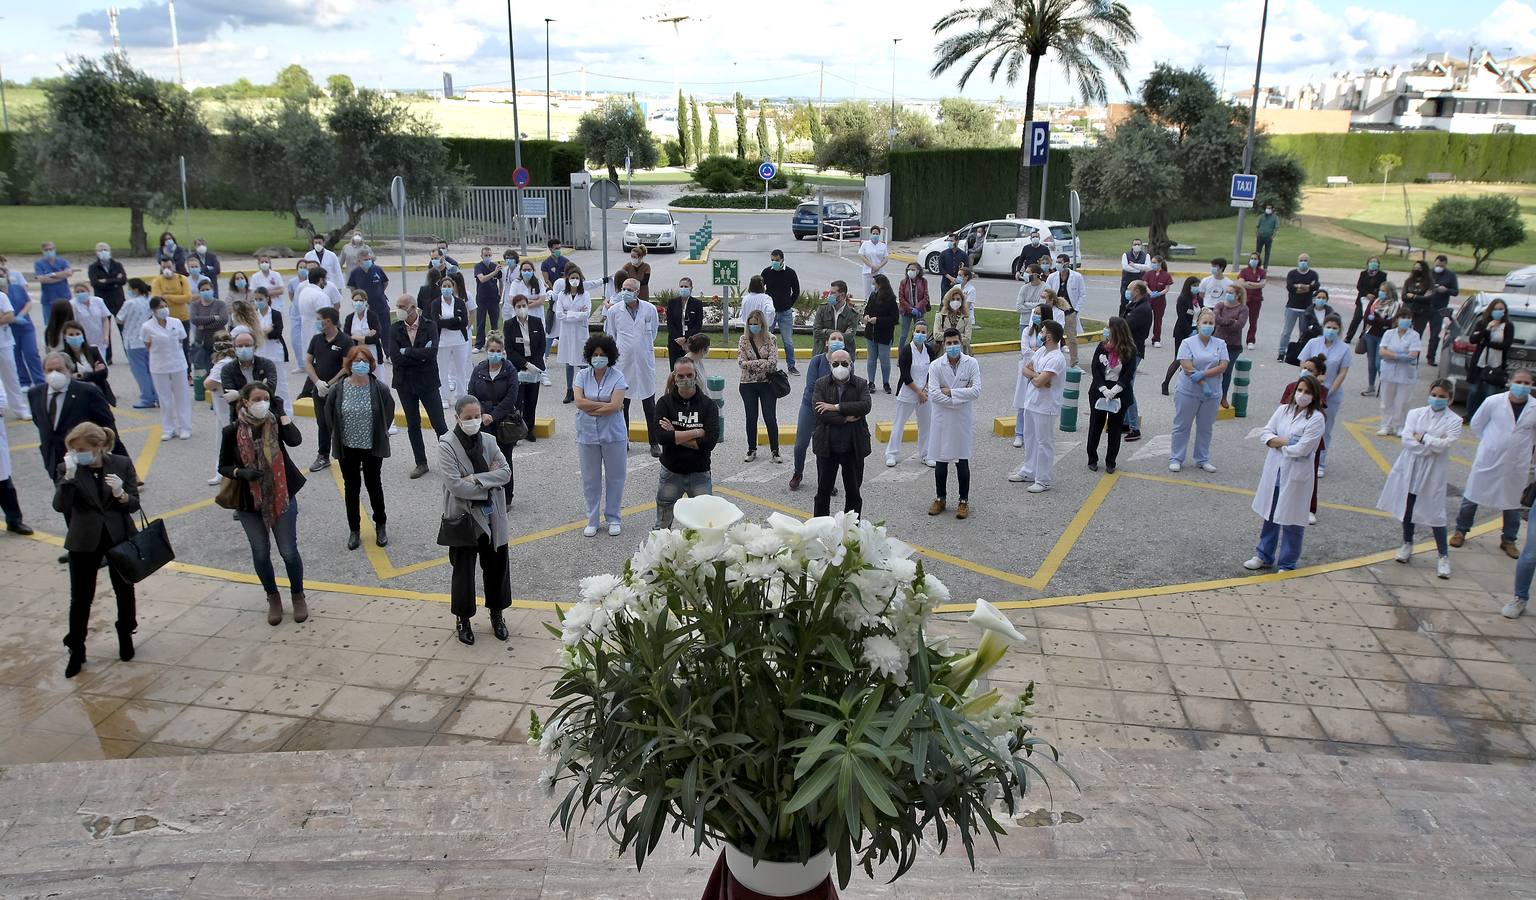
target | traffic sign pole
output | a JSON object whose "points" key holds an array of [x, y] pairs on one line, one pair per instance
{"points": [[397, 193], [766, 170]]}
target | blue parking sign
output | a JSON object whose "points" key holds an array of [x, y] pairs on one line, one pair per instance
{"points": [[1039, 141], [1245, 187]]}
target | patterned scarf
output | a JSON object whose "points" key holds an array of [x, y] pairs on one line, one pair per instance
{"points": [[260, 449]]}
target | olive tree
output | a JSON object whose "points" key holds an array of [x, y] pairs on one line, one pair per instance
{"points": [[1487, 223], [615, 130]]}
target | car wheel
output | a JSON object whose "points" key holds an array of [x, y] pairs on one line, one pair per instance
{"points": [[799, 236], [932, 263]]}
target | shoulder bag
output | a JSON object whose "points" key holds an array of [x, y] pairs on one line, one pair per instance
{"points": [[512, 429], [778, 379], [228, 496], [142, 553]]}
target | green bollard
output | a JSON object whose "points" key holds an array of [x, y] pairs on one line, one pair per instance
{"points": [[1069, 399], [198, 393], [1240, 383]]}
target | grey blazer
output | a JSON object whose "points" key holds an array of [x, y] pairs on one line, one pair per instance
{"points": [[460, 495]]}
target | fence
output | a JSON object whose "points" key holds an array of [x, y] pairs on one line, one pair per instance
{"points": [[481, 215]]}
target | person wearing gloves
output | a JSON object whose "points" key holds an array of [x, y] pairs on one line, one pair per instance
{"points": [[912, 299], [1502, 467], [474, 471], [494, 383], [98, 492], [1231, 316], [841, 442], [1491, 337], [1197, 392], [1043, 379], [688, 426], [253, 451], [163, 336], [1332, 347], [600, 434], [1157, 283], [912, 363], [1399, 353], [954, 383], [1285, 489], [685, 318], [572, 313], [633, 325], [413, 357], [525, 353], [1415, 490], [323, 366], [1110, 394], [805, 425], [525, 284]]}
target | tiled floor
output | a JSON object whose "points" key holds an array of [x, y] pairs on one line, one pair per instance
{"points": [[1385, 660]]}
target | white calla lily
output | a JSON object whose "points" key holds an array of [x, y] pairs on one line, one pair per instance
{"points": [[708, 515], [997, 635], [989, 618]]}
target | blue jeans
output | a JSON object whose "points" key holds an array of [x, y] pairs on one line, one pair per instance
{"points": [[138, 364], [285, 529], [880, 353], [805, 427], [673, 486], [29, 366], [909, 321], [1373, 360], [1468, 512], [785, 323], [1292, 318], [1526, 565], [1287, 536]]}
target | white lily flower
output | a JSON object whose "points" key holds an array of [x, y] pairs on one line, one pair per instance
{"points": [[709, 515], [990, 619]]}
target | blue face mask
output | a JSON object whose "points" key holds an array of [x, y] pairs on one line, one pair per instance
{"points": [[261, 305], [1034, 319], [81, 298], [834, 346], [1373, 266], [685, 292], [74, 340], [367, 264], [952, 351], [245, 354], [359, 368], [919, 338], [1520, 391], [1319, 302], [207, 294], [832, 298], [1439, 403], [50, 254], [1330, 334], [755, 329], [1404, 324], [447, 291], [1207, 330], [239, 284], [495, 356], [527, 274], [1303, 265], [1496, 314], [777, 264], [1127, 294], [599, 362], [624, 296]]}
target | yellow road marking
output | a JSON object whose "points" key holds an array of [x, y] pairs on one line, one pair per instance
{"points": [[34, 444], [1247, 492], [146, 457], [1362, 435], [183, 510]]}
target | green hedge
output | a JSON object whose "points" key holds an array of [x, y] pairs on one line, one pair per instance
{"points": [[1470, 157], [735, 201]]}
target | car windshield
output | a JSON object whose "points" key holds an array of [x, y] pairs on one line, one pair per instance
{"points": [[1061, 232], [650, 218]]}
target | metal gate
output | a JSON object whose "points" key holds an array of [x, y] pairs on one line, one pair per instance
{"points": [[481, 215]]}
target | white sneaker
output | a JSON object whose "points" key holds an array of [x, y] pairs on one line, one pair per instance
{"points": [[1443, 567], [215, 480], [167, 435], [1383, 431], [296, 371], [544, 379], [184, 435], [1175, 467], [1208, 467], [929, 463], [1038, 488], [890, 462], [1157, 343], [1321, 471], [1514, 609], [26, 417], [1311, 518], [1254, 564], [1250, 345], [1018, 441], [1019, 477], [613, 529], [393, 429], [589, 531], [1405, 552]]}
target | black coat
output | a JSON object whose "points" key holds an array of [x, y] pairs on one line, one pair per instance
{"points": [[904, 363], [90, 509], [1139, 319], [832, 430], [519, 356], [91, 356], [415, 363], [82, 402], [229, 460], [685, 318], [1100, 370], [107, 282], [1310, 327], [432, 310], [500, 397], [264, 370], [374, 325], [383, 417], [882, 306], [1477, 368]]}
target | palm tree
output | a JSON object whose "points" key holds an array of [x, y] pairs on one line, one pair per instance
{"points": [[1087, 37]]}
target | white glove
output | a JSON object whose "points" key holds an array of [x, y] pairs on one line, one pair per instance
{"points": [[114, 484], [322, 389], [532, 369], [231, 396], [69, 465]]}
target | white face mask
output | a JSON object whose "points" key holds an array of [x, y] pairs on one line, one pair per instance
{"points": [[57, 380], [841, 371], [1303, 400], [259, 409], [522, 312], [954, 304], [471, 427]]}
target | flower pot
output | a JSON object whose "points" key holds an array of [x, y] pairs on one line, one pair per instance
{"points": [[778, 879]]}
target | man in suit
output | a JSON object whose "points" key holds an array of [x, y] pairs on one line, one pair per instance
{"points": [[413, 351], [685, 318], [59, 404], [842, 405]]}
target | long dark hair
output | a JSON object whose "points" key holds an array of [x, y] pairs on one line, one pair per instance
{"points": [[1313, 385], [1485, 318], [1187, 292], [1118, 337], [59, 315], [1418, 277]]}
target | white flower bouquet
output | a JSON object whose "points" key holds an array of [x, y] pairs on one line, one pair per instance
{"points": [[775, 688]]}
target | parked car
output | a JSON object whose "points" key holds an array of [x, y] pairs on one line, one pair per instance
{"points": [[1521, 281], [1522, 353], [839, 219], [654, 229], [1003, 243]]}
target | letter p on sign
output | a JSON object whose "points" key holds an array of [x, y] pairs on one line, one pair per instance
{"points": [[1039, 142]]}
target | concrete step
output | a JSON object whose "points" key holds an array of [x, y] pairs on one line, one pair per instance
{"points": [[470, 822]]}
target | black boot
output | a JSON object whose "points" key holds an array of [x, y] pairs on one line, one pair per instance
{"points": [[76, 661], [466, 636], [124, 643], [498, 625], [570, 396]]}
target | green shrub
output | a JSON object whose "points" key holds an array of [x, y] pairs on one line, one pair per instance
{"points": [[724, 174], [671, 154], [1487, 223], [736, 201]]}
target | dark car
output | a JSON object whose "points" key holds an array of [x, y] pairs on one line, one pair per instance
{"points": [[1457, 350], [839, 219]]}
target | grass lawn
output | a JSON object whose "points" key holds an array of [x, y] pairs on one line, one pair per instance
{"points": [[1213, 237], [76, 229], [1372, 212]]}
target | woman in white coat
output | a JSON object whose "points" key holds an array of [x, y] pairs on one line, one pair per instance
{"points": [[633, 324], [163, 336], [1419, 473], [1505, 426], [1285, 488], [954, 383], [573, 311], [1038, 398]]}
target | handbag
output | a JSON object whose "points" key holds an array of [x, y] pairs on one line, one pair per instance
{"points": [[1528, 496], [512, 429], [228, 496], [143, 553], [1360, 345], [459, 531], [778, 379]]}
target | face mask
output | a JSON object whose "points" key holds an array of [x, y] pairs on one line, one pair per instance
{"points": [[265, 267], [509, 259], [599, 362], [1520, 391], [755, 329], [527, 274], [624, 296], [1207, 330], [1303, 265], [557, 252], [170, 244], [84, 457], [685, 292], [1215, 270], [1269, 211], [486, 257], [320, 326], [1404, 324], [103, 255], [1135, 248], [207, 294], [874, 236], [239, 284], [447, 292], [259, 409], [359, 307], [912, 273], [1496, 314], [495, 356], [434, 263], [1373, 266], [261, 305], [1302, 399], [834, 346], [165, 273], [1439, 270], [82, 297], [406, 312], [522, 312], [1330, 334], [359, 368], [1127, 294], [919, 339], [954, 304], [832, 299], [319, 248], [193, 271], [162, 313], [1305, 372], [777, 264], [1253, 262], [949, 245], [952, 351], [357, 239], [471, 428], [1034, 319], [74, 340], [1319, 302], [840, 372], [367, 264], [202, 248], [57, 380], [1034, 242], [245, 354], [685, 384], [1224, 297], [1439, 403], [50, 254], [1061, 267]]}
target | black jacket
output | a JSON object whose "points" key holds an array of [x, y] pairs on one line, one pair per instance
{"points": [[1366, 287], [1127, 380], [107, 282], [1139, 319], [783, 285], [500, 397], [229, 460], [383, 417], [232, 378], [91, 356], [1310, 327], [81, 402], [904, 363], [375, 342], [432, 310], [414, 363], [89, 508], [883, 307], [697, 411], [1477, 369], [685, 318], [519, 356], [833, 433]]}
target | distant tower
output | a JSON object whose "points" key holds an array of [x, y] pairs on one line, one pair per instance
{"points": [[171, 8], [448, 85], [117, 39]]}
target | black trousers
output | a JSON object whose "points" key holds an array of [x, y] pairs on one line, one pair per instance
{"points": [[675, 353], [483, 312], [322, 429], [648, 406], [758, 395], [962, 475], [362, 465], [412, 398], [9, 504], [83, 566], [493, 569], [852, 466], [1432, 320], [529, 401], [1096, 422]]}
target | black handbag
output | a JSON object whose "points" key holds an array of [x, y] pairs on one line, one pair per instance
{"points": [[1528, 496], [778, 379], [512, 429], [143, 553], [459, 531]]}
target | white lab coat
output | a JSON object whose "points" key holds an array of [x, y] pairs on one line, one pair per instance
{"points": [[635, 336], [1502, 467], [572, 314], [516, 287], [952, 417], [1076, 286], [331, 263], [7, 404], [1291, 465], [1420, 467]]}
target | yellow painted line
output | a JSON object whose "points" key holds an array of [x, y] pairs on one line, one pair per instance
{"points": [[1246, 492], [183, 510], [1362, 435], [703, 259], [146, 457], [34, 444], [135, 414], [1460, 461], [1074, 530]]}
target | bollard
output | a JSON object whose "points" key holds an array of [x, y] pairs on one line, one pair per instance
{"points": [[1069, 399], [198, 392], [714, 387], [1240, 388]]}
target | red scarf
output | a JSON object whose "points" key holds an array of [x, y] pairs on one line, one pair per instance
{"points": [[260, 449]]}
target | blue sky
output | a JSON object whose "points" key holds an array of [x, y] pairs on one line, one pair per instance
{"points": [[763, 50]]}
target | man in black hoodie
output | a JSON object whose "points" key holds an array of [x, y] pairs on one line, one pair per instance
{"points": [[782, 284], [687, 426]]}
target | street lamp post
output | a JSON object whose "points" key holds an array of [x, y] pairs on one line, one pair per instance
{"points": [[894, 42], [1226, 51], [548, 88], [1253, 118], [517, 141]]}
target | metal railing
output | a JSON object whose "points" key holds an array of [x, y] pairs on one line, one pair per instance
{"points": [[481, 215]]}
